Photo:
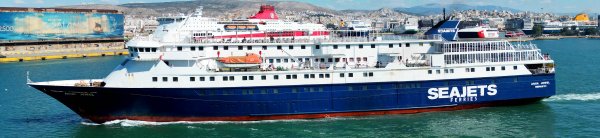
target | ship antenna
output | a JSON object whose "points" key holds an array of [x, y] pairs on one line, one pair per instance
{"points": [[444, 12]]}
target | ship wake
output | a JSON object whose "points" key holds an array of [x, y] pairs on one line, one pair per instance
{"points": [[134, 123], [575, 97]]}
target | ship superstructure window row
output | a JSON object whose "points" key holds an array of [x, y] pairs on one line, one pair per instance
{"points": [[492, 57]]}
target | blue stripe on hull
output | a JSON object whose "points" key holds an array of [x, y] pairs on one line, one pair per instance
{"points": [[285, 100]]}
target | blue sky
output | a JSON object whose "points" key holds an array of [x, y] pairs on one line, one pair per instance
{"points": [[559, 6]]}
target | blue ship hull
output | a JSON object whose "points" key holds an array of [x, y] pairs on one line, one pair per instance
{"points": [[101, 104]]}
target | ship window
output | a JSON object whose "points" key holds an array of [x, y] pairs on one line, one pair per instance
{"points": [[420, 44], [276, 77], [225, 47], [472, 69], [334, 46], [515, 67], [365, 59], [327, 75], [302, 47], [202, 78], [192, 79], [493, 68], [251, 77], [175, 79], [263, 77], [178, 48], [270, 60], [330, 60], [372, 45], [407, 44], [286, 60], [249, 47], [347, 46], [288, 77], [350, 75], [317, 47], [244, 77], [322, 59], [240, 47], [231, 78], [154, 79], [278, 60], [337, 59], [147, 49], [445, 70], [391, 45], [193, 48], [165, 79], [215, 47], [212, 78], [487, 68], [400, 45], [278, 47], [153, 49], [365, 74], [341, 75], [321, 76], [200, 48], [371, 73], [306, 76], [294, 76], [225, 78], [312, 76], [429, 72], [360, 46], [437, 71], [264, 47], [135, 50], [503, 68]]}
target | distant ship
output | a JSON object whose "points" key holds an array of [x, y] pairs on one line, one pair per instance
{"points": [[478, 32], [171, 76]]}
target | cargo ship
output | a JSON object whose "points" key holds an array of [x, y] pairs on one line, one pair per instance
{"points": [[170, 76]]}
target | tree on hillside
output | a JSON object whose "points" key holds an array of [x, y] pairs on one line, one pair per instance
{"points": [[537, 30]]}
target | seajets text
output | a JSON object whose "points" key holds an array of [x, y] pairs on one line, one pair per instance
{"points": [[460, 94]]}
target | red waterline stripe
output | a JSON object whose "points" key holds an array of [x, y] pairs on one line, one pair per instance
{"points": [[101, 119]]}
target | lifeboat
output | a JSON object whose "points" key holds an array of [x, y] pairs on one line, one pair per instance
{"points": [[250, 60]]}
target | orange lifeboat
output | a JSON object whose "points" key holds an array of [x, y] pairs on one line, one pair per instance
{"points": [[250, 58]]}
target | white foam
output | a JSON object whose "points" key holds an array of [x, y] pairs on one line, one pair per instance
{"points": [[575, 97], [133, 123]]}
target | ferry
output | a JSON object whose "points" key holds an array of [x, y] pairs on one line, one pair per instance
{"points": [[173, 76]]}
